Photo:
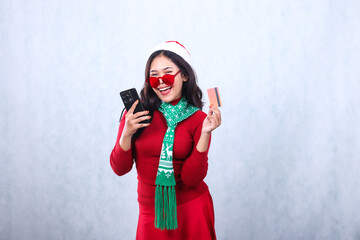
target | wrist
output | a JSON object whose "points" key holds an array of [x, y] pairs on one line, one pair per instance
{"points": [[127, 134], [205, 133], [125, 143], [203, 143]]}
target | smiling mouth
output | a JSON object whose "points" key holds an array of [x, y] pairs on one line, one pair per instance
{"points": [[164, 89]]}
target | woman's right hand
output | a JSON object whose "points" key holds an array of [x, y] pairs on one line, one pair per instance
{"points": [[132, 121]]}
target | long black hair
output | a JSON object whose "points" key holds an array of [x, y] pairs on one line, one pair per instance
{"points": [[190, 89]]}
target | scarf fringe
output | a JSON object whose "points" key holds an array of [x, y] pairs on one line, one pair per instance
{"points": [[165, 208]]}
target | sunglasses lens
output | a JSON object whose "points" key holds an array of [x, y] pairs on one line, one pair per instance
{"points": [[154, 82], [168, 79]]}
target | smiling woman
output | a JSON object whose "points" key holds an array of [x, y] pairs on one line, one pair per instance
{"points": [[171, 152], [168, 85], [180, 57]]}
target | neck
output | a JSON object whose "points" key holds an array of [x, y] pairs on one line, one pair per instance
{"points": [[176, 101]]}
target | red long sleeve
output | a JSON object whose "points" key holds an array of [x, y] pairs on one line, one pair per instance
{"points": [[121, 161], [190, 165], [195, 167]]}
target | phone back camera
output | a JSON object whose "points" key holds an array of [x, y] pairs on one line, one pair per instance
{"points": [[127, 97]]}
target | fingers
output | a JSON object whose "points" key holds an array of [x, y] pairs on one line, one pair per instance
{"points": [[131, 110], [215, 114], [134, 120], [131, 115], [137, 117], [139, 114], [214, 121], [210, 111], [140, 119], [141, 125]]}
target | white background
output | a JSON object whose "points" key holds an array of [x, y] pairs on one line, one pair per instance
{"points": [[283, 165]]}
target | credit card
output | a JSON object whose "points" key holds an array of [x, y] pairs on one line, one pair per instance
{"points": [[214, 96]]}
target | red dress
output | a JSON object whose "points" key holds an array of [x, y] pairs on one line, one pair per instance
{"points": [[194, 203]]}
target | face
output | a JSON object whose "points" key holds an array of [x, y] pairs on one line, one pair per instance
{"points": [[160, 66]]}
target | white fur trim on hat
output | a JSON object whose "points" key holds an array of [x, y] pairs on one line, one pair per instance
{"points": [[175, 47]]}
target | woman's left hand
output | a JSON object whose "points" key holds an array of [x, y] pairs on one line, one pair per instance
{"points": [[212, 121]]}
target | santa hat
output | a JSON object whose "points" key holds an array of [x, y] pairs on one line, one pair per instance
{"points": [[175, 47]]}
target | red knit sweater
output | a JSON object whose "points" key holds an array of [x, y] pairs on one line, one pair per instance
{"points": [[190, 165]]}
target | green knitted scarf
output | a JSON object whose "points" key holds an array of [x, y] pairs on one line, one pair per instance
{"points": [[165, 197]]}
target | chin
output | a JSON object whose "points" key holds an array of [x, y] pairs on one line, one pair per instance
{"points": [[168, 97]]}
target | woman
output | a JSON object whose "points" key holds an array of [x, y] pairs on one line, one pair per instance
{"points": [[171, 151]]}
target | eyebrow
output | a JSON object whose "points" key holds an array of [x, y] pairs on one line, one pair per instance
{"points": [[163, 69]]}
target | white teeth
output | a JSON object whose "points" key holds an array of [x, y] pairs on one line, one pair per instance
{"points": [[164, 89]]}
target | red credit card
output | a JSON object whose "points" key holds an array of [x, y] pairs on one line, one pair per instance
{"points": [[214, 96]]}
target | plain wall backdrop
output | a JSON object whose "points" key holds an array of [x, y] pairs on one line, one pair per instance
{"points": [[283, 165]]}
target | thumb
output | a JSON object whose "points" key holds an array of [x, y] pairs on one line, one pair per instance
{"points": [[210, 111]]}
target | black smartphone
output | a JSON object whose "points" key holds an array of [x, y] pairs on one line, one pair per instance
{"points": [[129, 97]]}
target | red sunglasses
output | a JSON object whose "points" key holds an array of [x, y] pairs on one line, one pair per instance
{"points": [[168, 79]]}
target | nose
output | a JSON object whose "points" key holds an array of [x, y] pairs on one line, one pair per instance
{"points": [[160, 81]]}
